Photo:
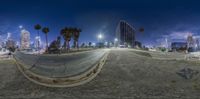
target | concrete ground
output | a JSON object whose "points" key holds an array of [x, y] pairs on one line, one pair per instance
{"points": [[127, 74]]}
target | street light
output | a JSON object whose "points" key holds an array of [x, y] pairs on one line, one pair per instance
{"points": [[106, 43], [20, 27], [100, 36], [116, 39], [93, 44], [116, 42]]}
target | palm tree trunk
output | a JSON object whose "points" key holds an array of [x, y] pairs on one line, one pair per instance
{"points": [[67, 45], [46, 43], [74, 44], [38, 43], [77, 45], [38, 40]]}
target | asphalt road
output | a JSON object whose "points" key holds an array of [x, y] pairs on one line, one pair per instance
{"points": [[60, 65], [127, 74]]}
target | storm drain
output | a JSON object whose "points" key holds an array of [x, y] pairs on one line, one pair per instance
{"points": [[187, 73]]}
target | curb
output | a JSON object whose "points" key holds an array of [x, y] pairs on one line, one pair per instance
{"points": [[65, 54]]}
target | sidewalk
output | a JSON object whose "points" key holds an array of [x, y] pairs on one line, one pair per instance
{"points": [[5, 57]]}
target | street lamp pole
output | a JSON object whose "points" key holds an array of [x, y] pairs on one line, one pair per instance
{"points": [[100, 36], [116, 42]]}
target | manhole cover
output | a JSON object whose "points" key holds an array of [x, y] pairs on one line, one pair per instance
{"points": [[187, 73]]}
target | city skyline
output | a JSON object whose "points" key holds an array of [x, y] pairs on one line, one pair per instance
{"points": [[96, 49]]}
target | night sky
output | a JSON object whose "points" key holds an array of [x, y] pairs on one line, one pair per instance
{"points": [[160, 18]]}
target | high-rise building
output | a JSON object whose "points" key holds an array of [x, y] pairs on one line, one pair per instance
{"points": [[37, 42], [8, 36], [125, 34], [25, 39], [10, 43], [190, 41], [197, 43], [1, 42]]}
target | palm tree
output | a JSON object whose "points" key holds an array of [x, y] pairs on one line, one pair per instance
{"points": [[90, 43], [67, 34], [38, 27], [141, 29], [76, 34], [62, 33], [58, 44], [45, 30], [58, 41]]}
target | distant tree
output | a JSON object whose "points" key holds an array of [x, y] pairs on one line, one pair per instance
{"points": [[82, 45], [53, 47], [11, 49], [45, 30], [90, 44]]}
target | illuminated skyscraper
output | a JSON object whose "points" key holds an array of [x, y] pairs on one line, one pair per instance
{"points": [[37, 39], [1, 42], [8, 36], [125, 34], [190, 41], [25, 39]]}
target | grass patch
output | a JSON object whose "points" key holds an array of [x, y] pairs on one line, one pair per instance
{"points": [[6, 62], [196, 86], [143, 54], [173, 81], [189, 62]]}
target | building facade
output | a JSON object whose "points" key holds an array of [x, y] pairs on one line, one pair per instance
{"points": [[125, 34], [37, 42], [25, 39], [179, 46]]}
